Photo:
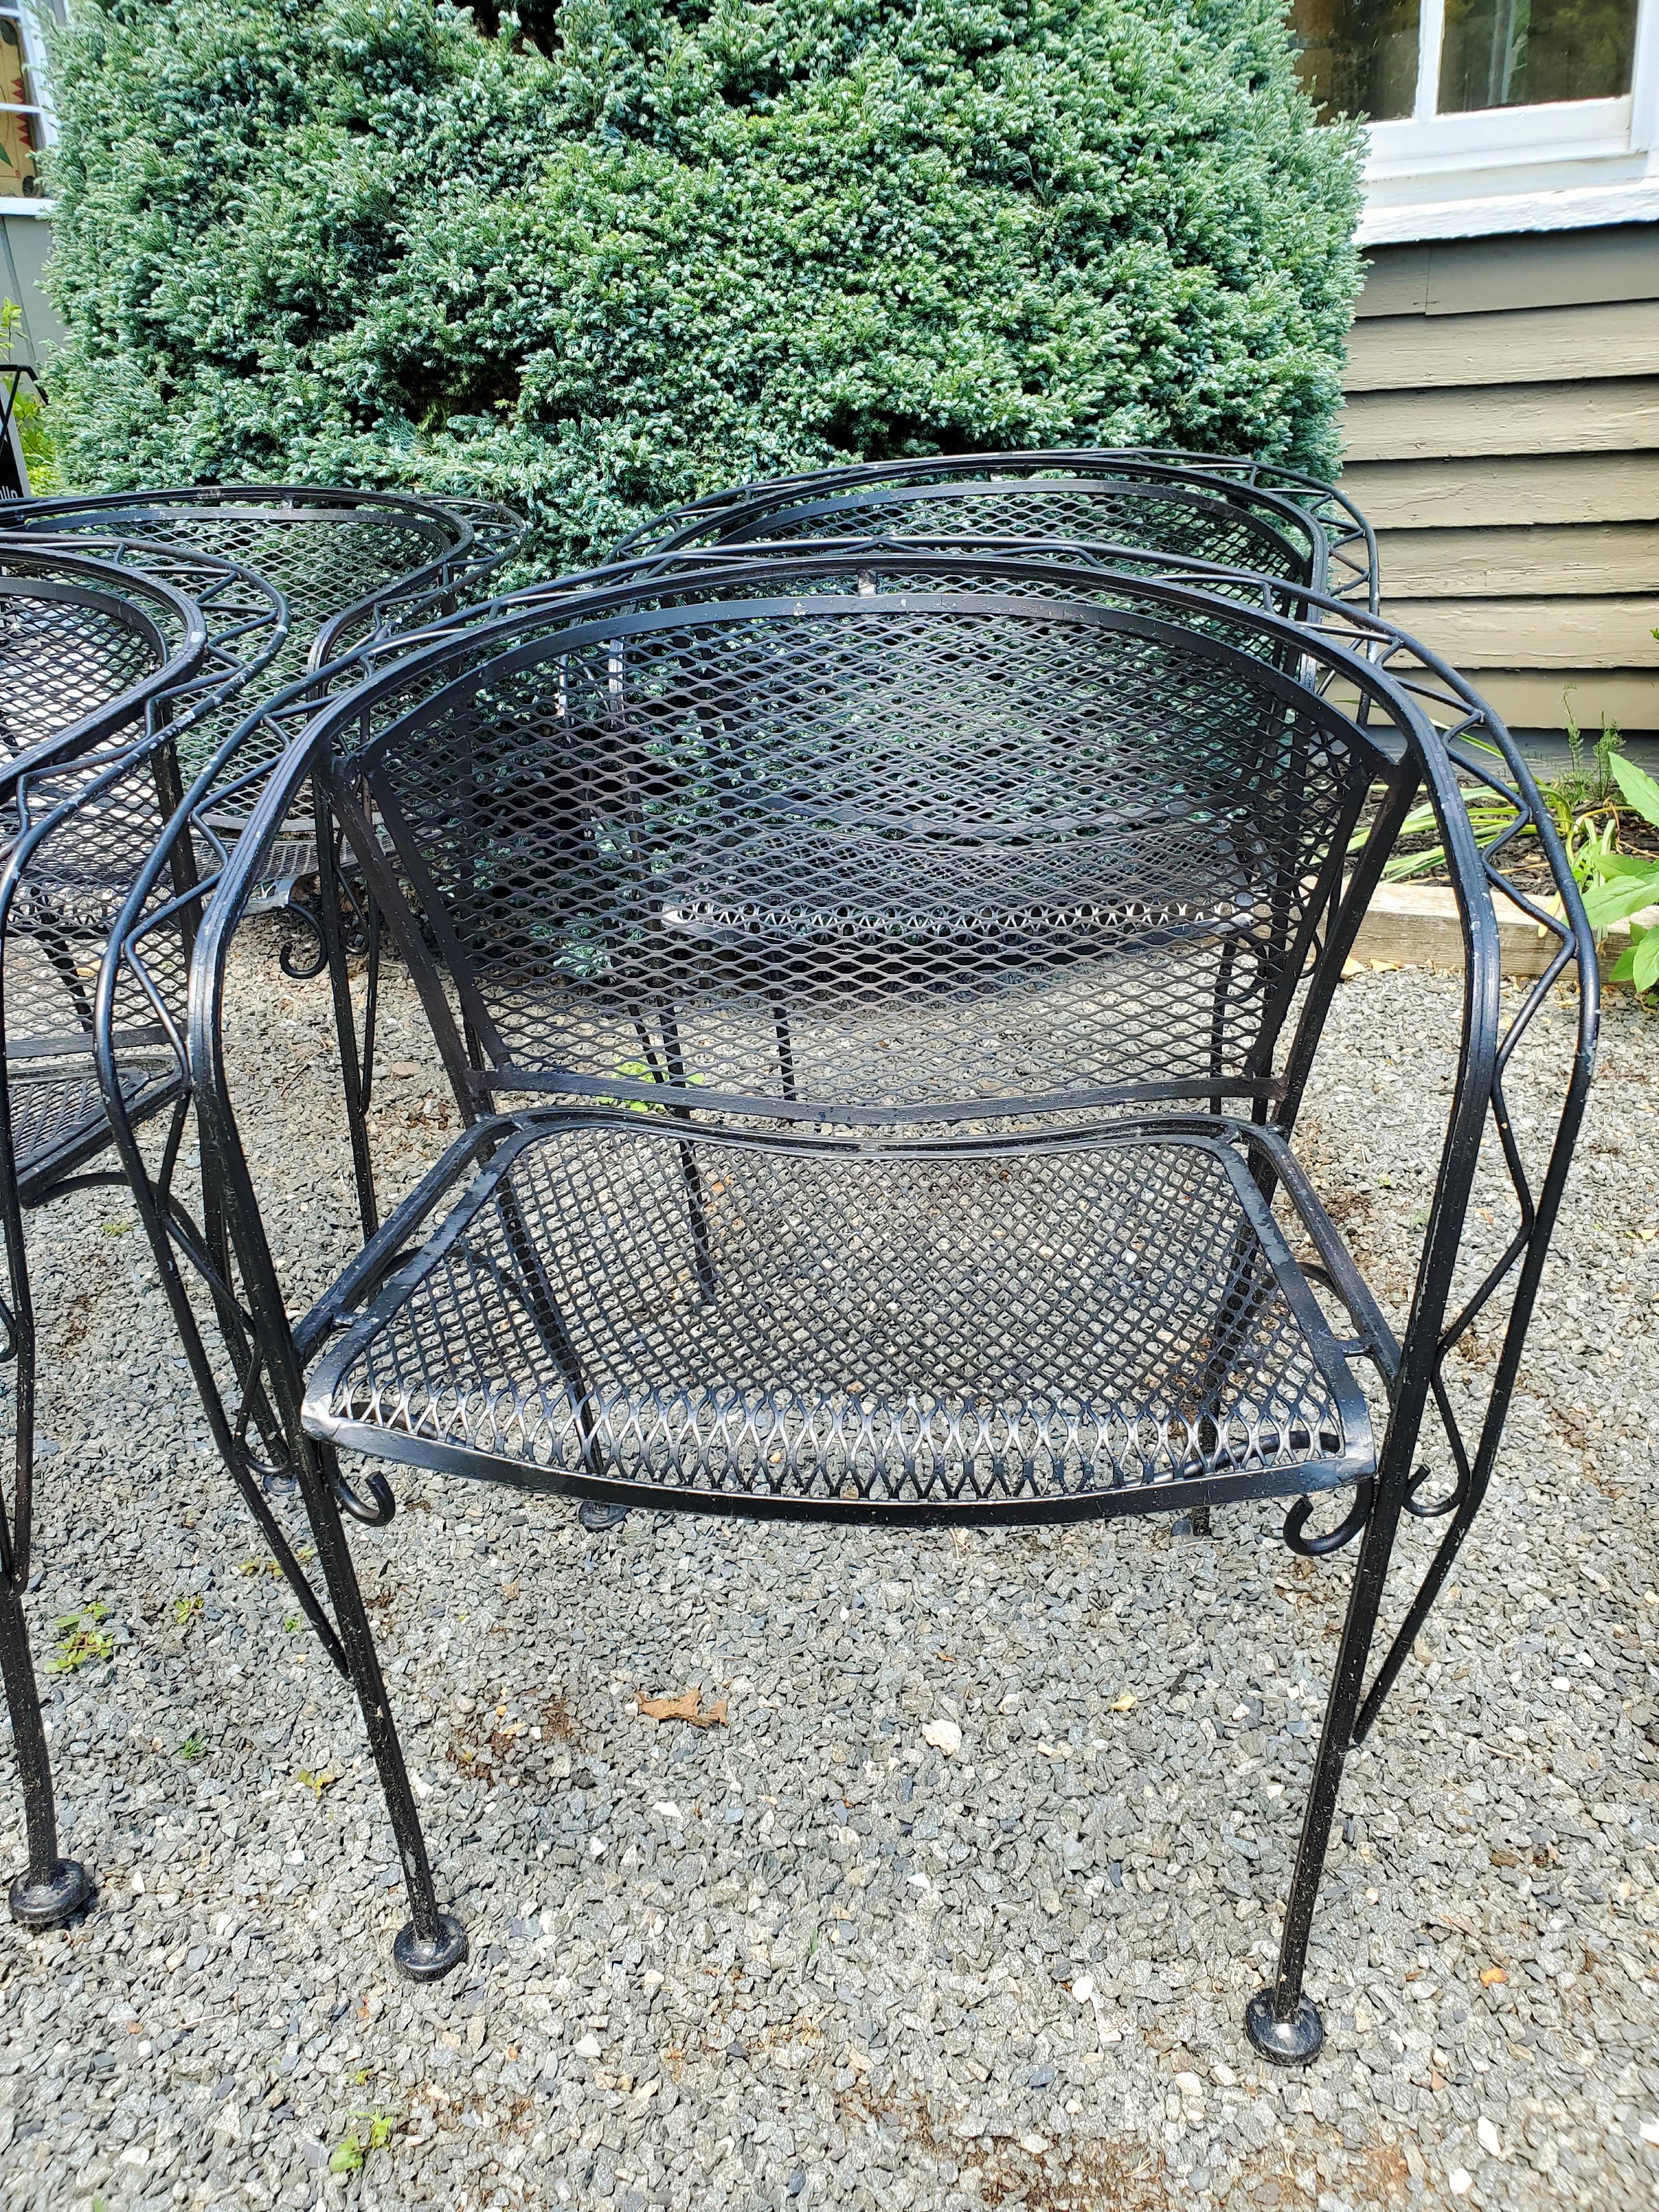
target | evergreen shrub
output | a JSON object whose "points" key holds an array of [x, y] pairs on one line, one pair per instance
{"points": [[610, 254]]}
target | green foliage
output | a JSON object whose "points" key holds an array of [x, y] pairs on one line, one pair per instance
{"points": [[28, 412], [347, 2156], [1581, 801], [194, 1747], [82, 1639], [1622, 884], [693, 241]]}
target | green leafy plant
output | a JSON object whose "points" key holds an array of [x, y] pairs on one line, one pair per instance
{"points": [[349, 2155], [640, 1070], [28, 410], [194, 1747], [82, 1639], [1623, 883], [396, 241], [186, 1609]]}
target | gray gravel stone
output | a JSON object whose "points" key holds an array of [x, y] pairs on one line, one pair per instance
{"points": [[805, 1958]]}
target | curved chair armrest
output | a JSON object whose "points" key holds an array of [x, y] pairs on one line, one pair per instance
{"points": [[492, 534], [1468, 743]]}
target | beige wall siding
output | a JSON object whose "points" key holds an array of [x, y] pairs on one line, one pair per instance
{"points": [[1502, 433]]}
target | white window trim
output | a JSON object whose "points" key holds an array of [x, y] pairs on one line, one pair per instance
{"points": [[1559, 166]]}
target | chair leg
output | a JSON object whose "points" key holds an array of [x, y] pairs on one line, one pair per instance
{"points": [[1281, 2020], [432, 1942], [51, 1888]]}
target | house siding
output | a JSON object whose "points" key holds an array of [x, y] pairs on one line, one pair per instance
{"points": [[1502, 432]]}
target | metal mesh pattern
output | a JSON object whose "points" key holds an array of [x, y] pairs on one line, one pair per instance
{"points": [[58, 913], [1020, 1328], [951, 850], [51, 1114], [1174, 521], [63, 655], [321, 556], [1339, 550]]}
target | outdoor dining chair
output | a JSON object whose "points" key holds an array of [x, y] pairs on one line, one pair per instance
{"points": [[879, 1019], [353, 565], [104, 662], [1250, 514]]}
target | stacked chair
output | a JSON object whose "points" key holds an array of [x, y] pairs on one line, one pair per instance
{"points": [[132, 634], [879, 929], [111, 652]]}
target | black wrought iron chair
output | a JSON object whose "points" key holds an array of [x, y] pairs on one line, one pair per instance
{"points": [[343, 559], [103, 662], [1249, 515], [951, 942], [353, 566]]}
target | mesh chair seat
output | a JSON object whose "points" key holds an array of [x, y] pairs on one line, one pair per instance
{"points": [[1075, 1327], [58, 1117]]}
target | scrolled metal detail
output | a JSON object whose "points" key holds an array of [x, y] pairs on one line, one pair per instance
{"points": [[1332, 1539], [375, 1510], [1434, 1509], [308, 925]]}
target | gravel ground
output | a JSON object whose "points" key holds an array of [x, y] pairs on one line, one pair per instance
{"points": [[803, 1958]]}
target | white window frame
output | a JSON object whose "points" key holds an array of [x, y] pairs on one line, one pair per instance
{"points": [[23, 13], [1559, 164]]}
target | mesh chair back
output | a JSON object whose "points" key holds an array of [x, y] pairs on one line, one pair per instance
{"points": [[89, 827], [1167, 500], [1271, 540], [340, 557], [79, 653], [934, 854], [103, 661]]}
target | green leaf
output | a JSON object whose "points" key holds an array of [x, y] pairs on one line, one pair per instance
{"points": [[1602, 863], [346, 2157], [1644, 965], [1412, 864], [1637, 786], [1624, 967], [1605, 904]]}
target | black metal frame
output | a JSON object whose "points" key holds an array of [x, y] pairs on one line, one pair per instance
{"points": [[470, 539], [332, 612], [1422, 728], [87, 800], [1339, 552], [14, 468]]}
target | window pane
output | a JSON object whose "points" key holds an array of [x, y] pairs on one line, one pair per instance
{"points": [[19, 134], [20, 176], [1358, 56], [14, 74], [1511, 53]]}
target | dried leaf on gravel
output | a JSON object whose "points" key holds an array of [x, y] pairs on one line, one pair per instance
{"points": [[1123, 1704], [1490, 1975], [688, 1706]]}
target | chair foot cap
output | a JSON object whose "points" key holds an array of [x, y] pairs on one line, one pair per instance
{"points": [[430, 1958], [43, 1902], [598, 1514], [1296, 2041]]}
